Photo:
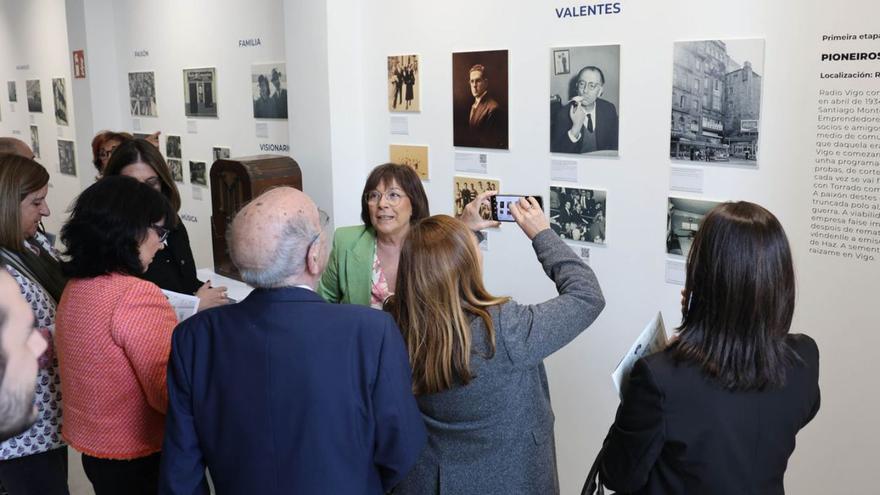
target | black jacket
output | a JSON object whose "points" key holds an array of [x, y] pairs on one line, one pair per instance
{"points": [[679, 432], [174, 268]]}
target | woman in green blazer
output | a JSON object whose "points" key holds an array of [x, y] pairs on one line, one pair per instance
{"points": [[363, 263]]}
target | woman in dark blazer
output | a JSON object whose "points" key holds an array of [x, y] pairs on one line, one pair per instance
{"points": [[477, 359], [173, 268], [718, 410]]}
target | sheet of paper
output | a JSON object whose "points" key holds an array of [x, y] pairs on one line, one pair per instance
{"points": [[192, 126], [686, 179], [471, 162], [564, 170], [262, 130], [136, 124], [652, 339], [184, 305], [675, 272], [399, 125], [582, 252]]}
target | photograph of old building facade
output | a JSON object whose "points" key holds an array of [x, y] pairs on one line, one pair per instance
{"points": [[716, 101]]}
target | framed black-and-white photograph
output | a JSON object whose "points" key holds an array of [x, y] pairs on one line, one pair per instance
{"points": [[197, 173], [585, 100], [404, 85], [200, 92], [142, 94], [269, 86], [578, 214], [466, 190], [34, 96], [172, 147], [220, 153], [561, 62], [60, 95], [479, 99], [35, 141], [683, 219], [176, 167], [66, 157], [13, 91], [140, 135], [716, 101]]}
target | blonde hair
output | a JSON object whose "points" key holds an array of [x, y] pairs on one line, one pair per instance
{"points": [[439, 285]]}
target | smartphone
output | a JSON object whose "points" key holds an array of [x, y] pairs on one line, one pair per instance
{"points": [[501, 205]]}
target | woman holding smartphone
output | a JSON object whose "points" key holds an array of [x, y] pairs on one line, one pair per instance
{"points": [[477, 358]]}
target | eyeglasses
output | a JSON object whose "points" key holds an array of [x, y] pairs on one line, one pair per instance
{"points": [[323, 219], [162, 232], [105, 153], [591, 85], [393, 197]]}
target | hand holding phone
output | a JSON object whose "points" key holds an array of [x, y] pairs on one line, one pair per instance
{"points": [[500, 205], [529, 216]]}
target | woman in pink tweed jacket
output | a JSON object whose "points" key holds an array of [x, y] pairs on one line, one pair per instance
{"points": [[114, 335]]}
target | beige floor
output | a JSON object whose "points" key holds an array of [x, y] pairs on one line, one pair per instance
{"points": [[76, 478]]}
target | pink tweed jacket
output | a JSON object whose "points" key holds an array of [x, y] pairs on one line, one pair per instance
{"points": [[113, 337]]}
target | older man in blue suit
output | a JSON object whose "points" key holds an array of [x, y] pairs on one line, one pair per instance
{"points": [[283, 392]]}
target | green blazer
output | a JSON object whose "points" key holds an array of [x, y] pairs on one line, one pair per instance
{"points": [[349, 272]]}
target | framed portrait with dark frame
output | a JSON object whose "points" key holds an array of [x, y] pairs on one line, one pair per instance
{"points": [[561, 62]]}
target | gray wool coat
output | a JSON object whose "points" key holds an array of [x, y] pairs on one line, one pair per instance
{"points": [[495, 435]]}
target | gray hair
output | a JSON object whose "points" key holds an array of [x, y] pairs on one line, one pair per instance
{"points": [[289, 259], [9, 145]]}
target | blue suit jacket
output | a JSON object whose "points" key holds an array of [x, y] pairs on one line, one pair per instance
{"points": [[286, 393]]}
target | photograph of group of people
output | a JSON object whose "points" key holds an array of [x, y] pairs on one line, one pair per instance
{"points": [[578, 214], [142, 94], [269, 86], [467, 189], [403, 83]]}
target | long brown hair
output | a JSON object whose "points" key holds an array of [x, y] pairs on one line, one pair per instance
{"points": [[19, 177], [139, 150], [741, 292], [439, 287]]}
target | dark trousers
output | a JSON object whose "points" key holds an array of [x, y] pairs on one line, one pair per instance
{"points": [[37, 474], [116, 477]]}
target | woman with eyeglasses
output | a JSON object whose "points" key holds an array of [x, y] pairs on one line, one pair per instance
{"points": [[363, 263], [113, 334], [174, 268], [103, 145], [34, 462]]}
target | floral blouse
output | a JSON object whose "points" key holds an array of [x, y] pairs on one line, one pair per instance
{"points": [[379, 287], [44, 435]]}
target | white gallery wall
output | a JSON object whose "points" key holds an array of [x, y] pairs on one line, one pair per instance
{"points": [[340, 128], [168, 36], [836, 298], [33, 45]]}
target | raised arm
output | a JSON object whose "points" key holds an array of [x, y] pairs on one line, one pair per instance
{"points": [[532, 332]]}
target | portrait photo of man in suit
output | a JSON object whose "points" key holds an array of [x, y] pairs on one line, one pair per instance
{"points": [[480, 107], [585, 120]]}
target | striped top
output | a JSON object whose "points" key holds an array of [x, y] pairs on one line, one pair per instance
{"points": [[113, 337]]}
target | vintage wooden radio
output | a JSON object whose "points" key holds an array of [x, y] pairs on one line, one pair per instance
{"points": [[234, 182]]}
